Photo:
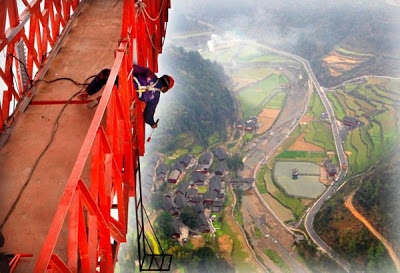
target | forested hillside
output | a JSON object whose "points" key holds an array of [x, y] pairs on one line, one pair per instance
{"points": [[199, 109], [376, 198]]}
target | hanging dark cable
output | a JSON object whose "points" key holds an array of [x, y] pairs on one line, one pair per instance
{"points": [[54, 131]]}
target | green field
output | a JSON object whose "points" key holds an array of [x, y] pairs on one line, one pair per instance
{"points": [[315, 106], [253, 99], [171, 157], [388, 122], [276, 102], [214, 139], [320, 134], [266, 58], [337, 108], [202, 189], [247, 137], [276, 259], [317, 132], [300, 155], [373, 104], [260, 182], [375, 133], [253, 73], [346, 51], [248, 53]]}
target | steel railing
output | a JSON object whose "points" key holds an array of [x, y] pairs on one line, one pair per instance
{"points": [[111, 148]]}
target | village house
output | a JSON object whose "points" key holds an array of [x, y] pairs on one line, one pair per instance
{"points": [[240, 125], [200, 169], [168, 194], [182, 187], [221, 194], [217, 205], [191, 192], [250, 126], [161, 172], [174, 176], [177, 166], [199, 208], [220, 170], [180, 201], [209, 196], [204, 226], [195, 199], [350, 121], [205, 161], [169, 206], [185, 160], [254, 118], [220, 153], [215, 184], [198, 179], [176, 232]]}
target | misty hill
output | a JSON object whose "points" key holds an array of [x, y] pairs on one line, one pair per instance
{"points": [[199, 108], [376, 198], [314, 30]]}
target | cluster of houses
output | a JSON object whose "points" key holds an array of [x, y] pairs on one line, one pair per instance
{"points": [[177, 169], [250, 125], [202, 189]]}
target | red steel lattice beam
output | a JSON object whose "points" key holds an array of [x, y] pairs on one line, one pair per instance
{"points": [[45, 33], [113, 155]]}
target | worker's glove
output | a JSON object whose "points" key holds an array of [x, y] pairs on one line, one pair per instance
{"points": [[154, 126]]}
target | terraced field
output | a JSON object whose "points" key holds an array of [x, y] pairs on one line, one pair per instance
{"points": [[316, 131], [376, 105], [256, 97]]}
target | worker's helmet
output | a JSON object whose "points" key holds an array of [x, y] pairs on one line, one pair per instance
{"points": [[167, 81]]}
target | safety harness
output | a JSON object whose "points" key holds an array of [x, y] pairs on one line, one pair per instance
{"points": [[145, 88]]}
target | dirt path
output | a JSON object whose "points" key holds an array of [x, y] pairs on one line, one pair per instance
{"points": [[349, 205]]}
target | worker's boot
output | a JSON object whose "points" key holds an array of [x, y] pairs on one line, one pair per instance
{"points": [[94, 103]]}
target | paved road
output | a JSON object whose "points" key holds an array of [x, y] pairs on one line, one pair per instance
{"points": [[309, 219], [259, 151]]}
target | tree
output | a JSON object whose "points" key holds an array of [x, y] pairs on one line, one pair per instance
{"points": [[164, 224], [156, 200], [235, 163], [189, 217], [210, 263]]}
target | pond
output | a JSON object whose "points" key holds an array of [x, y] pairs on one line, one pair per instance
{"points": [[307, 186]]}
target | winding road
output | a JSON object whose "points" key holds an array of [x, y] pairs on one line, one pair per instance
{"points": [[309, 219]]}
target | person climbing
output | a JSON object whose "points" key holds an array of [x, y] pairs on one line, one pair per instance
{"points": [[148, 87]]}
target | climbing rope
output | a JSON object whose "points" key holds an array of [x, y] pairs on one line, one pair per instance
{"points": [[141, 6]]}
